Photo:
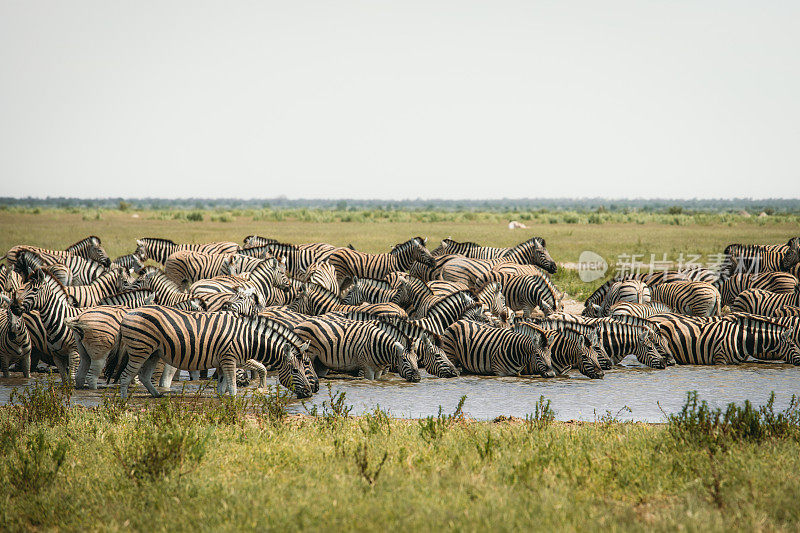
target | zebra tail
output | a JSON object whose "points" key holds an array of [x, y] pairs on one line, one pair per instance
{"points": [[116, 362]]}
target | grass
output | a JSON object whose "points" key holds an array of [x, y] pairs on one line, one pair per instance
{"points": [[174, 464]]}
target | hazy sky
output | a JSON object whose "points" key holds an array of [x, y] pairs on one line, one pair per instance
{"points": [[400, 99]]}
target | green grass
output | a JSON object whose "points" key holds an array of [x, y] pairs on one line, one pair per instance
{"points": [[172, 464]]}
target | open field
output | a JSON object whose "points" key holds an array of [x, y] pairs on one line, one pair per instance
{"points": [[174, 465], [645, 234]]}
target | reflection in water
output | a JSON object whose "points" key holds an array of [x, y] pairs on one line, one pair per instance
{"points": [[639, 388]]}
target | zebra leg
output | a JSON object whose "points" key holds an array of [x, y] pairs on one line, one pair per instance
{"points": [[166, 376], [83, 367], [222, 385], [319, 368], [132, 369], [146, 374], [4, 361], [369, 373], [203, 374], [95, 367], [258, 368], [194, 375], [74, 360], [62, 367], [228, 366]]}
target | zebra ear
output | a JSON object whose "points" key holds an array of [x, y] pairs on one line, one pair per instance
{"points": [[139, 242]]}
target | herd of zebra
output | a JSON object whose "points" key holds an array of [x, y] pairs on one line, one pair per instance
{"points": [[306, 310]]}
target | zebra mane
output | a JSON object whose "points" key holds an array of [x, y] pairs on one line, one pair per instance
{"points": [[83, 242], [402, 246], [157, 240]]}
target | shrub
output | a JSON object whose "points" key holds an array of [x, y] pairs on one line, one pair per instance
{"points": [[33, 462], [334, 409], [195, 216], [433, 428], [151, 453], [542, 416], [44, 401]]}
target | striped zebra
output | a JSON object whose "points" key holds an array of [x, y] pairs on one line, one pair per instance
{"points": [[96, 333], [470, 271], [251, 241], [46, 295], [160, 249], [756, 258], [89, 248], [185, 267], [651, 279], [374, 291], [427, 271], [719, 342], [530, 252], [134, 298], [314, 300], [15, 342], [494, 303], [353, 264], [787, 310], [453, 307], [525, 293], [569, 348], [589, 331], [130, 263], [618, 339], [164, 290], [240, 263], [630, 290], [412, 294], [105, 285], [297, 258], [795, 271], [84, 271], [198, 341], [489, 351], [638, 310], [695, 298], [428, 351], [765, 303], [344, 345], [62, 273], [777, 282]]}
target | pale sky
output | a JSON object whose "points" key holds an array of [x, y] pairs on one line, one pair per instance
{"points": [[400, 99]]}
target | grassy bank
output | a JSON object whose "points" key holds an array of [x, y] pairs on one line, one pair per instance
{"points": [[175, 464]]}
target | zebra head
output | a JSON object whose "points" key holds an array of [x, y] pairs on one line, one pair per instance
{"points": [[787, 348], [792, 255], [541, 257], [275, 271], [354, 294], [415, 250], [292, 372], [141, 250], [542, 356], [407, 360], [589, 365], [32, 295], [96, 252], [647, 351], [302, 304], [434, 359]]}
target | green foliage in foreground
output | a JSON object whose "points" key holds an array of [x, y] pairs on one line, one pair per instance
{"points": [[188, 462]]}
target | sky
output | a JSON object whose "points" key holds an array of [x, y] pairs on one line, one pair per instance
{"points": [[400, 99]]}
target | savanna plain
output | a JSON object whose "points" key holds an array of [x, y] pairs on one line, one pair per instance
{"points": [[186, 462]]}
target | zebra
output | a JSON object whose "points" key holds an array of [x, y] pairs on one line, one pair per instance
{"points": [[524, 293], [84, 271], [49, 297], [345, 345], [429, 349], [696, 298], [105, 285], [88, 248], [315, 300], [755, 258], [765, 303], [470, 271], [569, 348], [451, 308], [426, 272], [651, 279], [240, 263], [518, 269], [160, 249], [589, 331], [62, 273], [730, 341], [164, 290], [96, 333], [297, 258], [15, 342], [374, 291], [486, 350], [185, 267], [134, 298], [494, 303], [630, 290], [130, 263], [251, 241], [617, 339], [197, 341], [777, 282], [532, 252], [786, 310], [638, 310], [350, 263], [411, 293]]}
